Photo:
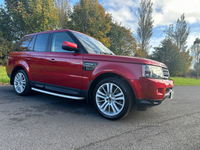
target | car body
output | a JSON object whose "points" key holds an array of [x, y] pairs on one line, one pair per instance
{"points": [[73, 65]]}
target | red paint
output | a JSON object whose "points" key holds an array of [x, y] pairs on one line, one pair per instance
{"points": [[69, 44], [66, 69]]}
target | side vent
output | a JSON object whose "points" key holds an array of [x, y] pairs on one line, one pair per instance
{"points": [[89, 66]]}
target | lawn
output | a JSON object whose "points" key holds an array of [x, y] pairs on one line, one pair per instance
{"points": [[186, 81], [3, 76]]}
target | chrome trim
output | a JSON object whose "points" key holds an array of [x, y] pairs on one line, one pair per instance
{"points": [[169, 94], [166, 73], [56, 94]]}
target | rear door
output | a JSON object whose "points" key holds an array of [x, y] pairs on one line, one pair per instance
{"points": [[35, 58], [63, 68], [21, 49]]}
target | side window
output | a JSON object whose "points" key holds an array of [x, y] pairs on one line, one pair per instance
{"points": [[41, 42], [31, 44], [24, 43], [57, 41]]}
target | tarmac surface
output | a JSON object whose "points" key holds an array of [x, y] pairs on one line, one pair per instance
{"points": [[42, 121]]}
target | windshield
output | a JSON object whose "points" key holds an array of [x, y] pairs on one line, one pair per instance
{"points": [[92, 45]]}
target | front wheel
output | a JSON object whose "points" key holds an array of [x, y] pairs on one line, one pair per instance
{"points": [[112, 98], [21, 83]]}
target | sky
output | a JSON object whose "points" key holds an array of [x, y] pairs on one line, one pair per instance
{"points": [[165, 12]]}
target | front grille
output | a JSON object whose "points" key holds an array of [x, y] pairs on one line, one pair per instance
{"points": [[166, 73]]}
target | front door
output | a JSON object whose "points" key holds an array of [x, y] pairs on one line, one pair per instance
{"points": [[63, 71]]}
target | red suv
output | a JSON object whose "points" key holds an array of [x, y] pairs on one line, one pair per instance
{"points": [[73, 65]]}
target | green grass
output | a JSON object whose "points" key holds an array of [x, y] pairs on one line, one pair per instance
{"points": [[178, 81], [3, 76]]}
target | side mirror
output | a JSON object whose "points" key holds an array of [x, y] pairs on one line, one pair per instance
{"points": [[70, 46]]}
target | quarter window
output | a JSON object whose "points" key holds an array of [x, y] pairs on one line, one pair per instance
{"points": [[24, 43], [41, 42], [30, 46], [57, 41]]}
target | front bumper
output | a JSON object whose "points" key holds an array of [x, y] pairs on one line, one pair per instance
{"points": [[148, 103], [152, 89]]}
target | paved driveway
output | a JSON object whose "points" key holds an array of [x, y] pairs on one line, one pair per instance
{"points": [[41, 121]]}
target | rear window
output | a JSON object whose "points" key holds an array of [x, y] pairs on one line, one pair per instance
{"points": [[41, 42], [24, 43]]}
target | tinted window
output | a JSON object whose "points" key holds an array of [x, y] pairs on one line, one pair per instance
{"points": [[41, 42], [24, 43], [31, 44], [57, 41], [92, 45]]}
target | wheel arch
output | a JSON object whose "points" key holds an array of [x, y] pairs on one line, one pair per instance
{"points": [[102, 76], [17, 68]]}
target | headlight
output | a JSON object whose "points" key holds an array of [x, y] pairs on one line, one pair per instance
{"points": [[150, 71]]}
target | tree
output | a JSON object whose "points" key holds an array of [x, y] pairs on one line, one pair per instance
{"points": [[195, 49], [168, 53], [180, 34], [21, 17], [89, 17], [186, 62], [139, 52], [145, 25], [197, 68], [6, 29], [64, 11], [5, 48], [7, 35], [32, 16], [122, 41]]}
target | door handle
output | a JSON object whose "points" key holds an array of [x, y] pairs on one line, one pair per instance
{"points": [[52, 60], [28, 58]]}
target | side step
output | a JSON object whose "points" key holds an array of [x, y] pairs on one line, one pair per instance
{"points": [[56, 94]]}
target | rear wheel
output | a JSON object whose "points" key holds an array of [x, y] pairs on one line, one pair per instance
{"points": [[21, 83], [112, 98]]}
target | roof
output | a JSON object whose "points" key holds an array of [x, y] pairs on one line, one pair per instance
{"points": [[52, 31]]}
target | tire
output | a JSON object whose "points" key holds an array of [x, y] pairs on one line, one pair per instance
{"points": [[21, 83], [112, 98]]}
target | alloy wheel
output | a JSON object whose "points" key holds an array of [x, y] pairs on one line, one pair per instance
{"points": [[110, 99], [19, 82]]}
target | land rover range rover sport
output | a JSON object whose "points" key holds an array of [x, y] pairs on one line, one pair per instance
{"points": [[73, 65]]}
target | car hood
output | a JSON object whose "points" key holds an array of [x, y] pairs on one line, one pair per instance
{"points": [[123, 59]]}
